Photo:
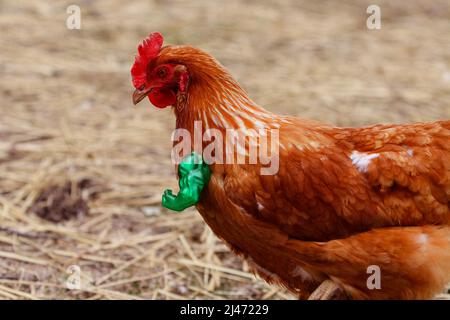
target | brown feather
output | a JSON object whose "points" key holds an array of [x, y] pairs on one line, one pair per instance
{"points": [[343, 199]]}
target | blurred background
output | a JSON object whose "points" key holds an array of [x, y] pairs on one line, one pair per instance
{"points": [[82, 170]]}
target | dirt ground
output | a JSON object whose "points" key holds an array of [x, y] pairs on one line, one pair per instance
{"points": [[82, 170]]}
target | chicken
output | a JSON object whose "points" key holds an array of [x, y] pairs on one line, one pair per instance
{"points": [[346, 205]]}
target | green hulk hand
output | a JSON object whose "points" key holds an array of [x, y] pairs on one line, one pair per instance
{"points": [[194, 175]]}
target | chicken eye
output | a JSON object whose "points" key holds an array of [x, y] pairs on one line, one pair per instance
{"points": [[162, 73]]}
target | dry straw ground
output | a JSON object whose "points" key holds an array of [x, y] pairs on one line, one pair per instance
{"points": [[82, 171]]}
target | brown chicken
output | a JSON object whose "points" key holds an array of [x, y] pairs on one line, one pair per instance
{"points": [[345, 203]]}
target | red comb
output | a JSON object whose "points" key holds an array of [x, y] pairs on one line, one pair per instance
{"points": [[147, 51]]}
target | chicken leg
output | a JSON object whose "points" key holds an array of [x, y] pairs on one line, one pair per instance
{"points": [[327, 290]]}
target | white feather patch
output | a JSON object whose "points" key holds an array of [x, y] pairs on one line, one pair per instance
{"points": [[260, 206], [423, 238], [410, 152], [300, 272], [362, 160]]}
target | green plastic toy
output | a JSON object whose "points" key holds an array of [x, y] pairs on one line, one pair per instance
{"points": [[194, 175]]}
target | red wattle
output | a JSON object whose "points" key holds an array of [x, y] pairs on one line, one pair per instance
{"points": [[162, 97]]}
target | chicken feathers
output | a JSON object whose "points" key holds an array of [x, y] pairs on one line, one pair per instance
{"points": [[343, 202]]}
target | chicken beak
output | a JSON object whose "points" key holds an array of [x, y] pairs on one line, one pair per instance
{"points": [[138, 95]]}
